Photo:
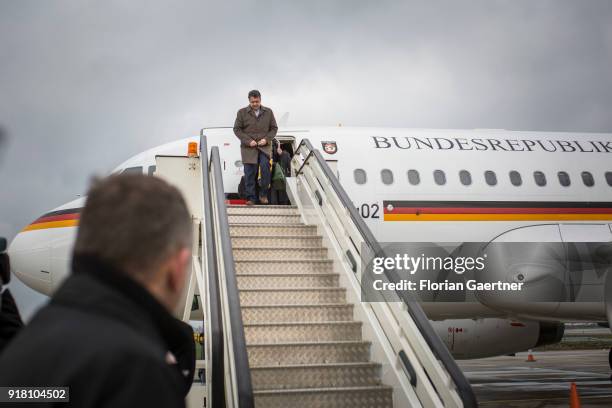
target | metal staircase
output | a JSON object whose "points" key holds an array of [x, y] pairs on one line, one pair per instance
{"points": [[304, 346], [278, 289]]}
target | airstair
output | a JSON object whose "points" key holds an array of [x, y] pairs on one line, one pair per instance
{"points": [[304, 344], [278, 291]]}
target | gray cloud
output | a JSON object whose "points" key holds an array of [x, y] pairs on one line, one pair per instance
{"points": [[86, 84]]}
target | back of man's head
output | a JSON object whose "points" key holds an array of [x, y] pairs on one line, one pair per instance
{"points": [[135, 222]]}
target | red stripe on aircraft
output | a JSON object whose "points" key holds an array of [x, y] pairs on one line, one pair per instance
{"points": [[62, 217], [492, 210]]}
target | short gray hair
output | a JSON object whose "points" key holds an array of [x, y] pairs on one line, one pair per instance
{"points": [[133, 221]]}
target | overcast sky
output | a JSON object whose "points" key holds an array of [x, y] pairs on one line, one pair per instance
{"points": [[86, 84]]}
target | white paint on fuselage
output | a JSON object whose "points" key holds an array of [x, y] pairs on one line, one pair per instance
{"points": [[37, 250]]}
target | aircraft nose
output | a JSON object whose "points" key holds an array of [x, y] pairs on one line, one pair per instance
{"points": [[30, 260]]}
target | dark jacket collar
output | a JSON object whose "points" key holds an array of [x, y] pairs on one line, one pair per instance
{"points": [[261, 108], [99, 287]]}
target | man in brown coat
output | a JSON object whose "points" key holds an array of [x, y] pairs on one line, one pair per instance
{"points": [[255, 126]]}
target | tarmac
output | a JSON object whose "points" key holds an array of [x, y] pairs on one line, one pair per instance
{"points": [[511, 381]]}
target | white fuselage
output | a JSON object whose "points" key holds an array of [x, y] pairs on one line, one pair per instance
{"points": [[410, 185]]}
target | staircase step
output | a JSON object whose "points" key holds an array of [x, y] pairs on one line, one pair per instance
{"points": [[267, 354], [264, 218], [301, 332], [255, 297], [286, 281], [346, 397], [315, 376], [274, 266], [259, 209], [286, 241], [248, 254], [297, 313], [272, 229]]}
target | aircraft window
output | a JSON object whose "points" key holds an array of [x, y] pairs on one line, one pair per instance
{"points": [[132, 170], [360, 176], [490, 177], [387, 176], [564, 178], [439, 177], [515, 178], [465, 177], [587, 179], [152, 170], [413, 177], [540, 178], [609, 178]]}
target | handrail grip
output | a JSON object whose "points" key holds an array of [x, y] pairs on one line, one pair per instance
{"points": [[215, 337], [297, 173], [464, 389], [241, 361]]}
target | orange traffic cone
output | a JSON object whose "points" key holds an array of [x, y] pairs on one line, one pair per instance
{"points": [[530, 357], [574, 398]]}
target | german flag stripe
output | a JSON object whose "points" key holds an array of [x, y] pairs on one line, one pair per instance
{"points": [[52, 224], [63, 212], [506, 210], [498, 217], [496, 211], [497, 204], [56, 219]]}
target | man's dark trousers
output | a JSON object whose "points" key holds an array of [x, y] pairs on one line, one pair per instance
{"points": [[250, 177]]}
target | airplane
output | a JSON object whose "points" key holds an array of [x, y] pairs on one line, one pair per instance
{"points": [[430, 185]]}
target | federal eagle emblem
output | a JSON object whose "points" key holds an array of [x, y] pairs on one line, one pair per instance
{"points": [[329, 147]]}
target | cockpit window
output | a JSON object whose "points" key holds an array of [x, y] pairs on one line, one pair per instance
{"points": [[152, 170], [132, 170]]}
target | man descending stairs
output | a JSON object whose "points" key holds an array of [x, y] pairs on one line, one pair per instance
{"points": [[304, 347]]}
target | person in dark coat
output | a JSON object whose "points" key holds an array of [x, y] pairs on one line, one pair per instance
{"points": [[108, 332], [282, 157], [10, 319], [255, 126]]}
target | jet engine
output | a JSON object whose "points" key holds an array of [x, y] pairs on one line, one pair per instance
{"points": [[479, 338]]}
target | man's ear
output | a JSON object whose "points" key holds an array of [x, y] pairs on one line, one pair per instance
{"points": [[178, 270]]}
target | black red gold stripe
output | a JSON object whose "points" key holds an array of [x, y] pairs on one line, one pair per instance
{"points": [[68, 218], [496, 211], [56, 219]]}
